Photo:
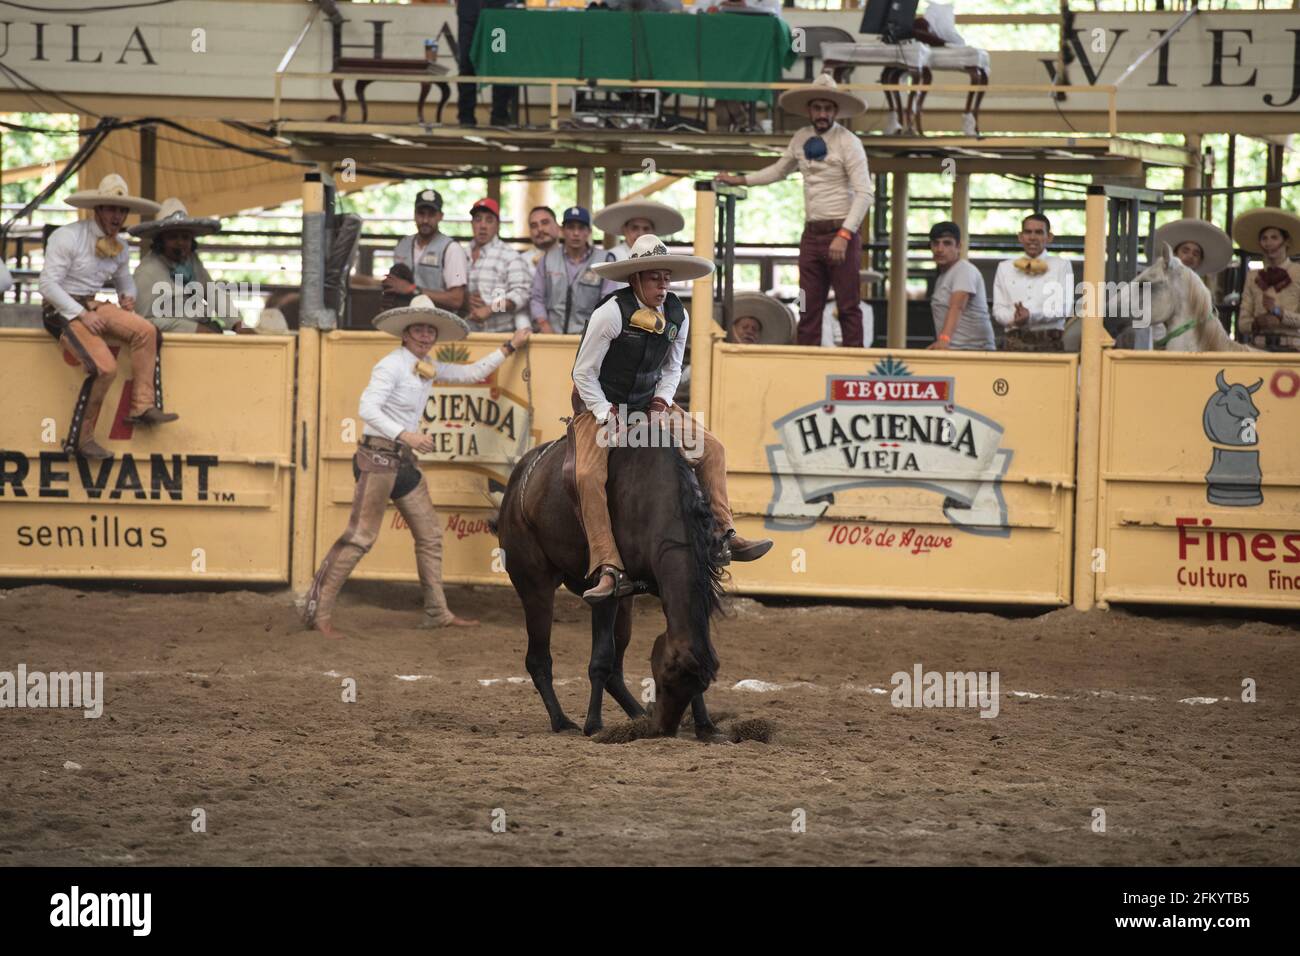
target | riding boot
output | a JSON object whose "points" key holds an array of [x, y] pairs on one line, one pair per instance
{"points": [[369, 502], [418, 512], [736, 548], [618, 586]]}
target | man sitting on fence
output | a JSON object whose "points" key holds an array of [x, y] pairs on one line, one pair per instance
{"points": [[178, 293]]}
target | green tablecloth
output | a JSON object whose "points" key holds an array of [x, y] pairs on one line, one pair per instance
{"points": [[608, 45]]}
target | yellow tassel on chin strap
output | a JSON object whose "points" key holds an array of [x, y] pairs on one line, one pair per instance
{"points": [[426, 370], [650, 320], [106, 247]]}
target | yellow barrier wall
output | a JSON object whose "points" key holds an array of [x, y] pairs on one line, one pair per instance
{"points": [[204, 498], [1200, 490], [481, 431], [930, 475]]}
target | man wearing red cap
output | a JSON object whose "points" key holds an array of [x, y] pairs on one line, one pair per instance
{"points": [[499, 277]]}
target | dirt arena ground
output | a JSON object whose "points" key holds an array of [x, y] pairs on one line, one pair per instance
{"points": [[219, 701]]}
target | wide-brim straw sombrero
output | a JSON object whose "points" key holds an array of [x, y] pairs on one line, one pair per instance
{"points": [[1247, 227], [422, 311], [112, 191], [649, 252], [664, 220], [1216, 247], [173, 216], [822, 88], [776, 322]]}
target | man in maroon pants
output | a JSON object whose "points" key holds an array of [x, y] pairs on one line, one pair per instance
{"points": [[837, 192]]}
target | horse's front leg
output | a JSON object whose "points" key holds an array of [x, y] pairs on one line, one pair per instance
{"points": [[603, 656], [705, 728], [617, 684]]}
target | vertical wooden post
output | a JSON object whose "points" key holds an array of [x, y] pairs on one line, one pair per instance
{"points": [[961, 206], [306, 420], [1089, 455], [1273, 194], [613, 191], [1192, 175], [702, 324], [585, 184], [149, 162], [897, 329]]}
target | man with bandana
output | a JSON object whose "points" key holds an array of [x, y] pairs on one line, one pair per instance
{"points": [[837, 192], [630, 360], [1270, 301], [79, 258]]}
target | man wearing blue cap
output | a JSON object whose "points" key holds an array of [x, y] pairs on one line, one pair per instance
{"points": [[565, 289]]}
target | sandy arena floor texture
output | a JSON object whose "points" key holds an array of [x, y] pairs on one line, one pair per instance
{"points": [[221, 701]]}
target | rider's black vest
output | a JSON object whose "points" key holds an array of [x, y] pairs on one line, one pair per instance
{"points": [[632, 365]]}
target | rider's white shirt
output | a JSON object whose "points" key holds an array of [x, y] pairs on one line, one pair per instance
{"points": [[604, 327]]}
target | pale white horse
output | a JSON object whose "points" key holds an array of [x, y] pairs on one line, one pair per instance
{"points": [[1183, 318]]}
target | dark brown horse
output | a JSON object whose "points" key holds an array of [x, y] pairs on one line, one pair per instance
{"points": [[664, 530]]}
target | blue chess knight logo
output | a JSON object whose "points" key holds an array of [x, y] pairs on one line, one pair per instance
{"points": [[889, 429]]}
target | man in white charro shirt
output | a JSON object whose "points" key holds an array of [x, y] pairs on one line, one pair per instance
{"points": [[1033, 295], [79, 258], [385, 465]]}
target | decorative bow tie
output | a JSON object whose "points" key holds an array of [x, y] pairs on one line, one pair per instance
{"points": [[1035, 267], [1274, 277], [426, 371], [106, 247], [649, 319]]}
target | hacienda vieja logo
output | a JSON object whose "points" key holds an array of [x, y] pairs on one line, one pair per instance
{"points": [[889, 427]]}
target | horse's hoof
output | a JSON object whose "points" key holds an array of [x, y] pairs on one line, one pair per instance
{"points": [[709, 734], [563, 725], [593, 727]]}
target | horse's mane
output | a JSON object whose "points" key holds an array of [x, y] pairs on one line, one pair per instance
{"points": [[706, 583], [1198, 296]]}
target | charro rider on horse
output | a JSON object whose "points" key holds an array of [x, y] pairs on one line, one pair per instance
{"points": [[630, 360]]}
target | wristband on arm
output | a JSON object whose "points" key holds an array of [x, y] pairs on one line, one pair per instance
{"points": [[844, 234], [944, 337]]}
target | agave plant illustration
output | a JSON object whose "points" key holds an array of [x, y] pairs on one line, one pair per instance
{"points": [[891, 368], [453, 354]]}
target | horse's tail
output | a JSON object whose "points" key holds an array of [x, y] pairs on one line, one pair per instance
{"points": [[706, 574]]}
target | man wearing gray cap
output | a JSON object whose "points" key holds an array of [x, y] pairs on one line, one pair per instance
{"points": [[438, 262], [960, 302]]}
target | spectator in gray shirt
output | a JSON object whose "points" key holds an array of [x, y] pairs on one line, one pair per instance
{"points": [[960, 303]]}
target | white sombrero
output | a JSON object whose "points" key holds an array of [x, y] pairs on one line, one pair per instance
{"points": [[649, 252], [112, 192], [665, 220], [422, 311], [1216, 247], [271, 322], [174, 216], [1247, 227], [775, 320], [822, 88]]}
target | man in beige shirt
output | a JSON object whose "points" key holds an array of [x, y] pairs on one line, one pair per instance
{"points": [[837, 192]]}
